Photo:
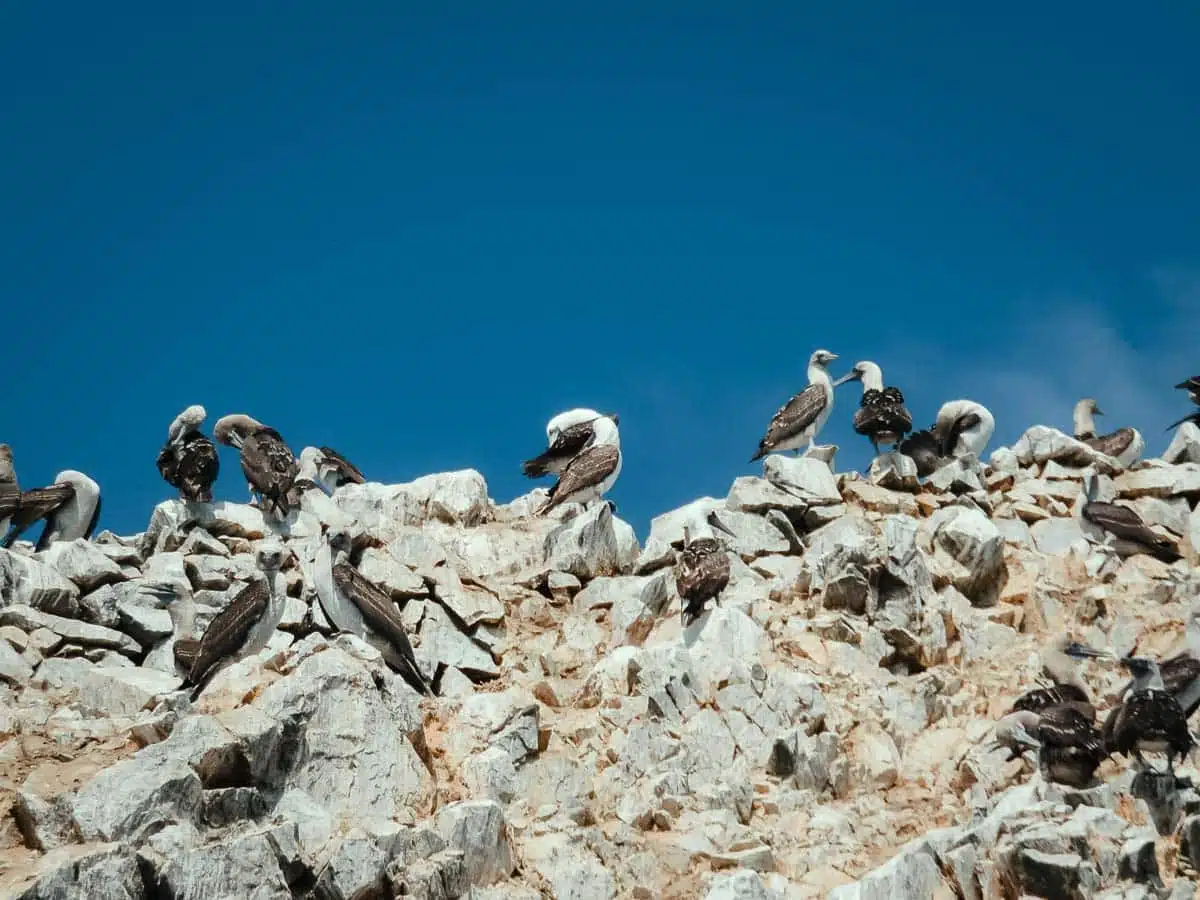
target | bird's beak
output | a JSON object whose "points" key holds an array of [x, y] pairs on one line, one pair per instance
{"points": [[849, 376], [718, 524], [1097, 411], [1182, 385], [1082, 651], [1022, 737]]}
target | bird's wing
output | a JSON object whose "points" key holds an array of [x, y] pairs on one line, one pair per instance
{"points": [[381, 614], [950, 432], [95, 520], [794, 416], [567, 443], [267, 462], [702, 572], [10, 499], [1113, 444], [1122, 522], [1151, 713], [346, 470], [586, 470], [229, 628], [881, 411], [35, 505], [198, 467], [185, 650], [168, 465], [922, 448], [1066, 726], [1039, 699], [1179, 672]]}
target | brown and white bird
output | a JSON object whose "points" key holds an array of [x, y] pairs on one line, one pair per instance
{"points": [[326, 469], [1124, 445], [567, 434], [961, 429], [702, 567], [1192, 386], [1066, 688], [1149, 719], [10, 489], [267, 462], [70, 507], [1124, 529], [881, 416], [797, 423], [1069, 746], [189, 461], [592, 472]]}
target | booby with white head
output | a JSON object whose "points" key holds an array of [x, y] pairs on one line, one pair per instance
{"points": [[70, 506], [798, 422], [592, 472], [188, 461], [881, 416], [567, 434], [1124, 445]]}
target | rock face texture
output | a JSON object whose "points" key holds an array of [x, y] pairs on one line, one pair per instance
{"points": [[821, 732]]}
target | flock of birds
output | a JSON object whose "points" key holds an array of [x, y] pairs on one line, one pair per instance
{"points": [[584, 452]]}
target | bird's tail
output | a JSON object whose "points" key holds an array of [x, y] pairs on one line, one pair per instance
{"points": [[691, 612], [1167, 551], [760, 453], [536, 467], [1190, 417]]}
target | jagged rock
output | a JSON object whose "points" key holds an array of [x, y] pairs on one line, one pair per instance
{"points": [[83, 563], [1040, 444], [894, 472], [384, 569], [591, 544], [476, 828], [442, 643], [457, 498], [808, 478], [25, 581], [1158, 480], [114, 689], [93, 871], [1185, 445], [13, 668], [73, 630], [969, 549], [470, 604], [243, 866]]}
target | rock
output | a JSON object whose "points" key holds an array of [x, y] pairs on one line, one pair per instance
{"points": [[1160, 481], [13, 668], [442, 643], [452, 497], [83, 563], [970, 550], [25, 581], [29, 619], [476, 828], [894, 472], [591, 544], [89, 872], [757, 495], [471, 605], [1060, 537], [243, 866], [384, 569], [136, 797], [115, 690], [913, 874], [1040, 444]]}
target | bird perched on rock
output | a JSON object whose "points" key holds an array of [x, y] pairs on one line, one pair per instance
{"points": [[1149, 719], [239, 630], [1124, 445], [326, 469], [1070, 749], [1059, 664], [962, 429], [70, 506], [881, 415], [1192, 386], [567, 434], [1125, 531], [592, 472], [189, 461], [798, 421], [10, 489], [702, 568], [1180, 673], [267, 462]]}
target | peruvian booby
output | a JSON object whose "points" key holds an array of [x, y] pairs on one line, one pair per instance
{"points": [[881, 415], [1192, 386], [798, 421], [592, 472], [243, 627], [355, 595], [567, 434], [189, 461], [1128, 534], [10, 489], [924, 450], [702, 568], [962, 428], [326, 469], [1149, 719], [1180, 673], [1067, 687], [70, 506], [1124, 445], [267, 462], [1070, 749]]}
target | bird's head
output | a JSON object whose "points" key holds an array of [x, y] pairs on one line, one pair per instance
{"points": [[865, 371], [270, 556], [821, 358], [232, 430]]}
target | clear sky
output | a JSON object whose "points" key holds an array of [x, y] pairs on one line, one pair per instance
{"points": [[414, 232]]}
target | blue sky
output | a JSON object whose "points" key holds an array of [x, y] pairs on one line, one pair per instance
{"points": [[415, 232]]}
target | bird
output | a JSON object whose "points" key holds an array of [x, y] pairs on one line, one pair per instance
{"points": [[70, 506], [961, 429], [10, 489], [239, 630], [267, 462], [1067, 688], [1125, 531], [1192, 386], [1149, 719], [592, 472], [702, 569], [566, 435], [326, 469], [881, 415], [798, 422], [1124, 445], [1181, 672], [1070, 749], [189, 461], [353, 601]]}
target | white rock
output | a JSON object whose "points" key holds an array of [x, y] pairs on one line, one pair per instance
{"points": [[386, 570], [13, 669], [30, 582], [108, 689], [1060, 537], [1039, 444], [82, 562], [1160, 481], [970, 549], [1185, 445], [29, 619], [477, 829], [591, 544], [443, 643], [804, 476]]}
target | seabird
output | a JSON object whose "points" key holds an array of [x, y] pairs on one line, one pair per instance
{"points": [[1192, 386], [189, 461], [962, 428], [566, 435], [358, 601], [798, 421], [1124, 445], [881, 415], [241, 629], [1149, 719], [924, 450], [702, 570], [325, 468], [70, 506], [10, 490], [1181, 673], [592, 472], [1070, 749], [1128, 534], [268, 464], [1067, 687]]}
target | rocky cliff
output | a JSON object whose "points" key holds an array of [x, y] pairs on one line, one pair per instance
{"points": [[823, 732]]}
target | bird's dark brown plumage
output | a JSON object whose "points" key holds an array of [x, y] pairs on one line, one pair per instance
{"points": [[37, 504], [347, 472], [191, 466], [1126, 525], [1147, 716], [792, 418], [567, 443], [228, 629], [701, 574], [586, 470], [270, 467], [882, 416]]}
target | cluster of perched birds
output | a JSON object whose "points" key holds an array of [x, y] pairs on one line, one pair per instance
{"points": [[583, 449], [1150, 714]]}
